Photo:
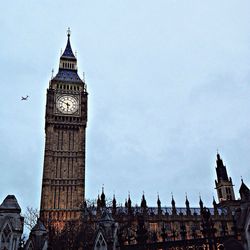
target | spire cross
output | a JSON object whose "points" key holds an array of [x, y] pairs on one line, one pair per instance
{"points": [[68, 32]]}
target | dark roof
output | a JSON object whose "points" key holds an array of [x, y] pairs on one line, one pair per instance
{"points": [[154, 210], [106, 216], [10, 204], [68, 53], [221, 169], [39, 227], [68, 76], [244, 191]]}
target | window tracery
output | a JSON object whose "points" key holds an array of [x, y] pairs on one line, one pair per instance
{"points": [[100, 243]]}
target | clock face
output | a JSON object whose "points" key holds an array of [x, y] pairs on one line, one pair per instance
{"points": [[67, 104]]}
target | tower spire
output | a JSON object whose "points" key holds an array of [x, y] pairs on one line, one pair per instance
{"points": [[223, 184], [68, 32], [68, 65], [188, 210], [201, 204], [68, 52], [174, 212]]}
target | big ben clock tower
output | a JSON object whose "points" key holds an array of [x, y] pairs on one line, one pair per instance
{"points": [[63, 184]]}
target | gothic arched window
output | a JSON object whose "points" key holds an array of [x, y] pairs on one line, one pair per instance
{"points": [[100, 243], [6, 236], [30, 246]]}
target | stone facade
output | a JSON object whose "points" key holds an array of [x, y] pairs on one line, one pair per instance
{"points": [[11, 224], [38, 238], [63, 185]]}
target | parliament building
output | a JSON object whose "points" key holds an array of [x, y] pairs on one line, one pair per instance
{"points": [[68, 221]]}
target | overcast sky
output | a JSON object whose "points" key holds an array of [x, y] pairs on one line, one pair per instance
{"points": [[168, 83]]}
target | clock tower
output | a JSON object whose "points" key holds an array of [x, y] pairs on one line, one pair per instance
{"points": [[63, 184]]}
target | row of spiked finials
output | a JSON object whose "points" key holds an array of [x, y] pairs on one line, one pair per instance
{"points": [[101, 202]]}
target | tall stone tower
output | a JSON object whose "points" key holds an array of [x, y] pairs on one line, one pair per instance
{"points": [[63, 184], [223, 184]]}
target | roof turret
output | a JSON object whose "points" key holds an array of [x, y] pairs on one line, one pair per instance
{"points": [[188, 210], [174, 211], [187, 202], [244, 191], [201, 204], [114, 202], [129, 202], [103, 199], [10, 205], [39, 227], [158, 202], [143, 202]]}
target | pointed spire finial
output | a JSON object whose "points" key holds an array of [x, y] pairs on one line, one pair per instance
{"points": [[158, 196], [173, 201], [173, 205], [52, 73], [68, 32], [158, 200], [68, 53], [214, 202], [218, 156], [200, 202], [114, 203], [129, 200]]}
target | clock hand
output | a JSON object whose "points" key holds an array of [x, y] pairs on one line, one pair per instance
{"points": [[65, 103]]}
